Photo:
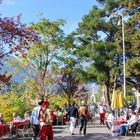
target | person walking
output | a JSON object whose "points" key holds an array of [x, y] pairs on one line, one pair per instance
{"points": [[73, 113], [45, 121], [34, 119], [83, 114], [102, 113], [92, 109]]}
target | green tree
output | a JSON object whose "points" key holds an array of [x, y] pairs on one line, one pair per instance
{"points": [[132, 34], [97, 47], [71, 73], [40, 61], [100, 43], [12, 102], [57, 101], [130, 11]]}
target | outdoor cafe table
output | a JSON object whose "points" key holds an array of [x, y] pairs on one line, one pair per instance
{"points": [[119, 122], [116, 126], [3, 129], [17, 124]]}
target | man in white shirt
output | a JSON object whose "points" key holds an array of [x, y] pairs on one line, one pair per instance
{"points": [[34, 119], [110, 117]]}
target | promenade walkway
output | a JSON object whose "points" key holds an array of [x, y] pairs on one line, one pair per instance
{"points": [[94, 132]]}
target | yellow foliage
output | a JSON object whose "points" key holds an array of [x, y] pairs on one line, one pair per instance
{"points": [[57, 101], [129, 98], [9, 103]]}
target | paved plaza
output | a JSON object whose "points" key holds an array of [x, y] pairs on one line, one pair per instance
{"points": [[95, 132]]}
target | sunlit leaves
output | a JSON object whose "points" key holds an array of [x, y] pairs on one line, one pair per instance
{"points": [[10, 103], [41, 58]]}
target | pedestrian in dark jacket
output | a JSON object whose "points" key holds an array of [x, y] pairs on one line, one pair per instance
{"points": [[73, 113]]}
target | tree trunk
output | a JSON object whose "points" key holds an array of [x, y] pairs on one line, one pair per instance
{"points": [[107, 96], [138, 83], [68, 98]]}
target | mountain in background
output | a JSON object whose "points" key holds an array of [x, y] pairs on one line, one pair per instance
{"points": [[20, 75]]}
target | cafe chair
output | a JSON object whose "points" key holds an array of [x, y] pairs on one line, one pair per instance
{"points": [[4, 131], [133, 129], [26, 130], [108, 125]]}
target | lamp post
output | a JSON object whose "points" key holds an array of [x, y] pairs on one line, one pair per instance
{"points": [[93, 98], [124, 67], [121, 22]]}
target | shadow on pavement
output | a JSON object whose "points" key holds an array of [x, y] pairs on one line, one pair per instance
{"points": [[96, 126], [59, 127], [57, 131], [95, 136]]}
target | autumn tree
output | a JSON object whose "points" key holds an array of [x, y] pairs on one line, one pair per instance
{"points": [[17, 37], [14, 36], [11, 102], [41, 59]]}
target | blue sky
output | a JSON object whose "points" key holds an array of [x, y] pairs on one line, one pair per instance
{"points": [[70, 10]]}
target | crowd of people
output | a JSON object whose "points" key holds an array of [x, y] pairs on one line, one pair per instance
{"points": [[42, 118], [127, 119]]}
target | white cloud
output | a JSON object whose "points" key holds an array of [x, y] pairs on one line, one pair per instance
{"points": [[9, 2]]}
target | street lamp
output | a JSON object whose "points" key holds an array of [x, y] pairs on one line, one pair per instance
{"points": [[124, 67], [93, 98], [121, 22]]}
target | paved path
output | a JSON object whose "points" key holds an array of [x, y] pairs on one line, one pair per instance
{"points": [[94, 132]]}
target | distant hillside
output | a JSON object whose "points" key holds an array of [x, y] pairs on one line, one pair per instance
{"points": [[5, 68]]}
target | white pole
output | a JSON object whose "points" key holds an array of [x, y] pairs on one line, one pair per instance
{"points": [[124, 71], [93, 94]]}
